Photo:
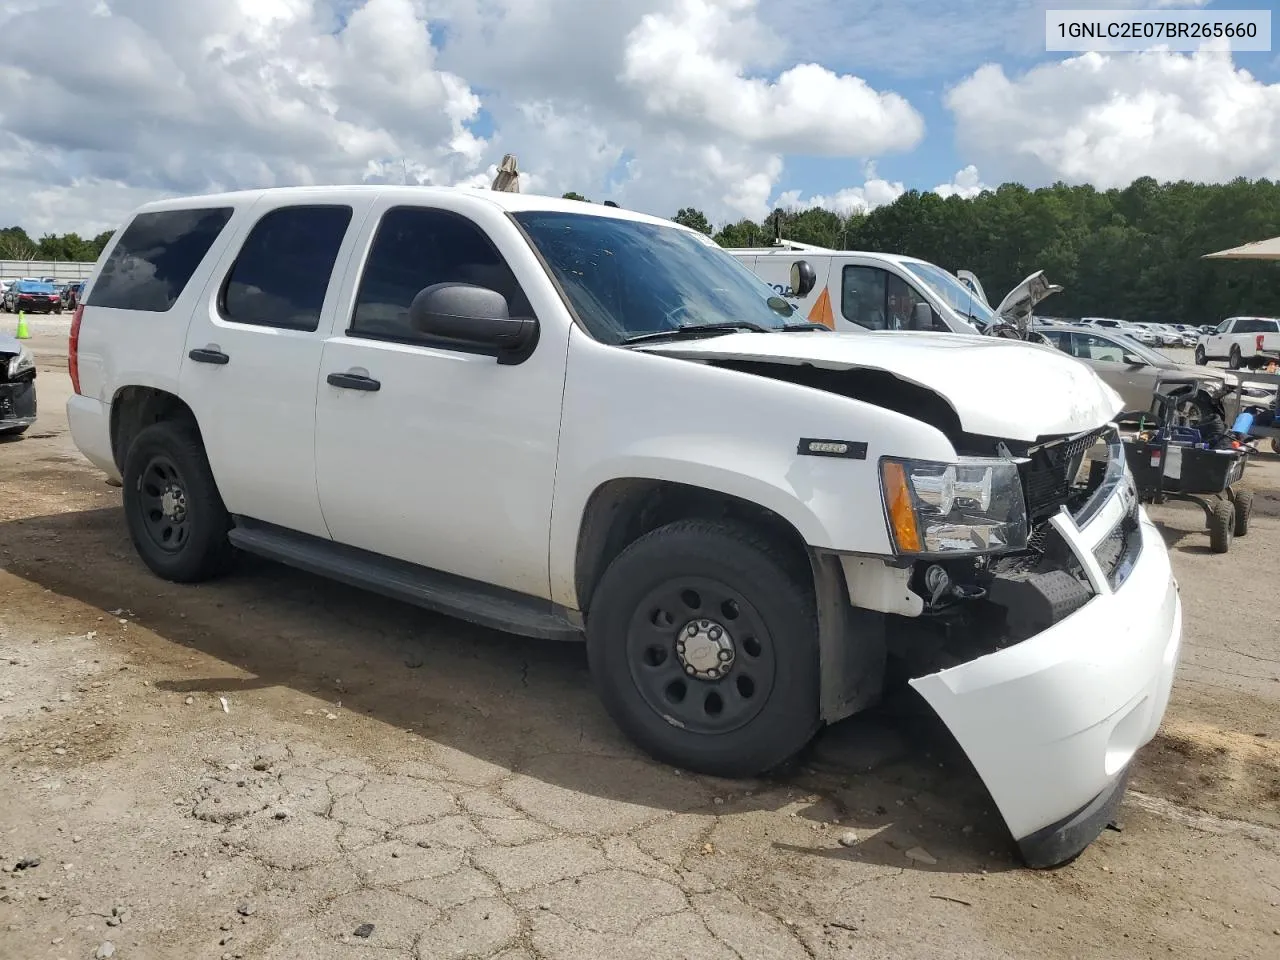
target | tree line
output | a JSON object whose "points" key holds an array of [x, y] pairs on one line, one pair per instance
{"points": [[1132, 253], [16, 244]]}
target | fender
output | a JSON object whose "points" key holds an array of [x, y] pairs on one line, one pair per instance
{"points": [[634, 415]]}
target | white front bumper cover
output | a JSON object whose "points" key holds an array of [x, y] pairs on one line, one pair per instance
{"points": [[1052, 723]]}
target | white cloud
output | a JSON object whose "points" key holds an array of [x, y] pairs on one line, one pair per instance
{"points": [[966, 183], [655, 103], [688, 66], [1107, 119], [874, 192]]}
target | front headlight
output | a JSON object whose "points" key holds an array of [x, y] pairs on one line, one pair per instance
{"points": [[973, 506], [21, 363]]}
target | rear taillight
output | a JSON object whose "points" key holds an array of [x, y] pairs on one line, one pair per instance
{"points": [[73, 348]]}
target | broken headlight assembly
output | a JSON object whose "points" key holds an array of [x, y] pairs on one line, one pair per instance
{"points": [[20, 363], [973, 506]]}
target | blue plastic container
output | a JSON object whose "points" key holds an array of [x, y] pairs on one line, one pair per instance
{"points": [[1243, 424]]}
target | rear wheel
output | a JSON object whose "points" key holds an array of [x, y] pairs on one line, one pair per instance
{"points": [[1244, 512], [1233, 358], [175, 515], [704, 649], [1222, 525], [1201, 358]]}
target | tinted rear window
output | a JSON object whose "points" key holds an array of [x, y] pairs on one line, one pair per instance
{"points": [[1254, 325], [155, 258]]}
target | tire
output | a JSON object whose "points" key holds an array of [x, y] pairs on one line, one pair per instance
{"points": [[757, 714], [1243, 513], [1233, 358], [1201, 358], [170, 454], [1222, 526], [1275, 445]]}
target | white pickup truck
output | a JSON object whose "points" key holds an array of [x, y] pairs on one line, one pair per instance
{"points": [[1251, 342], [576, 422]]}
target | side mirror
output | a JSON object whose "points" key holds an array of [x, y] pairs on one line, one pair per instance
{"points": [[472, 315], [922, 316], [803, 278], [1134, 360]]}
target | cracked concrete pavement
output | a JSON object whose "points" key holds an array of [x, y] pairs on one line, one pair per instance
{"points": [[277, 767]]}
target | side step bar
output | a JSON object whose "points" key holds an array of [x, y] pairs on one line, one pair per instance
{"points": [[446, 593]]}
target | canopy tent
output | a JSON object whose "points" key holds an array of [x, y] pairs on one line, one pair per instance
{"points": [[1259, 250]]}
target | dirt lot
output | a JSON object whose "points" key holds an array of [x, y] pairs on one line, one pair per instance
{"points": [[274, 766]]}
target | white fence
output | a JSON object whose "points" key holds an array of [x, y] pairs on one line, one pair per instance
{"points": [[63, 270]]}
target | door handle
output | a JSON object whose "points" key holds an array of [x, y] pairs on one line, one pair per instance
{"points": [[353, 381], [208, 355]]}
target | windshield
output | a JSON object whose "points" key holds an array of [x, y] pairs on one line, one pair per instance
{"points": [[954, 293], [625, 279]]}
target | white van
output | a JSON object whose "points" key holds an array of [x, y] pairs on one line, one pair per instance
{"points": [[858, 290]]}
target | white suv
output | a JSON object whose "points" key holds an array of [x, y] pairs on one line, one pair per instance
{"points": [[568, 421]]}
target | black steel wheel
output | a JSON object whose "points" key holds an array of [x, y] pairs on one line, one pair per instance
{"points": [[702, 642], [176, 517], [1233, 358], [701, 655], [163, 496], [1201, 357]]}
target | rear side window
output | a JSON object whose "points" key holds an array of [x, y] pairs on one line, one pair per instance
{"points": [[151, 264], [1255, 325], [414, 248], [282, 272]]}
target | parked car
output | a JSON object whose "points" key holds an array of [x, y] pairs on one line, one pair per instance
{"points": [[455, 398], [1241, 341], [17, 387], [32, 296], [1129, 367]]}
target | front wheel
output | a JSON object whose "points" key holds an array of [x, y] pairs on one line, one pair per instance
{"points": [[172, 507], [1222, 526], [704, 649]]}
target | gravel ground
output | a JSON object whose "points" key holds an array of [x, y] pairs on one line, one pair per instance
{"points": [[274, 766]]}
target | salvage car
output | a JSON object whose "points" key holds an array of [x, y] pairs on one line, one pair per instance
{"points": [[1129, 367], [17, 387], [582, 423]]}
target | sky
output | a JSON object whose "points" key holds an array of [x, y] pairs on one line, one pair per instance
{"points": [[730, 106]]}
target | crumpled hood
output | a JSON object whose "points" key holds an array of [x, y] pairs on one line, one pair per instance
{"points": [[998, 387]]}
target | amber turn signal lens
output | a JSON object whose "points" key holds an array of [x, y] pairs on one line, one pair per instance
{"points": [[902, 518]]}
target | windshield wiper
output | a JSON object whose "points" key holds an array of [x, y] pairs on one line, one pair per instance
{"points": [[806, 325], [697, 330]]}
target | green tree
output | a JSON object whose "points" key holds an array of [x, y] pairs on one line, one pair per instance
{"points": [[694, 219], [571, 195]]}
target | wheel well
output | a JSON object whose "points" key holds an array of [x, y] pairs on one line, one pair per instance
{"points": [[622, 511], [134, 408]]}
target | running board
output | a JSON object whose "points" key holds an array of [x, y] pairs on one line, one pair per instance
{"points": [[446, 593]]}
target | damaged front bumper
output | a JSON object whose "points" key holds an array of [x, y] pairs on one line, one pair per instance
{"points": [[17, 404], [1052, 722]]}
